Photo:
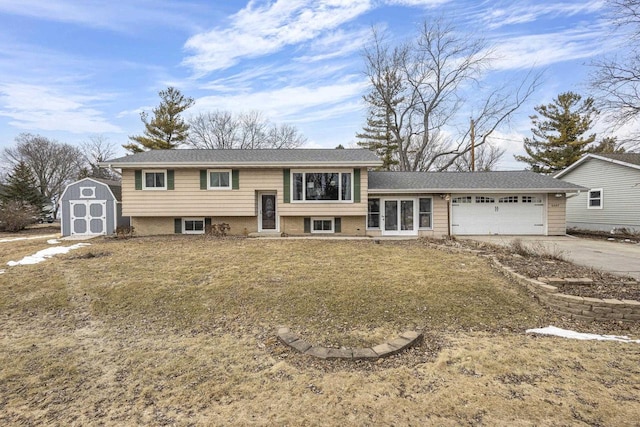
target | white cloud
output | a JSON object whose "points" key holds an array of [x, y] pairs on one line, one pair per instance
{"points": [[261, 29], [36, 107], [426, 3], [290, 103], [539, 50], [524, 12], [118, 16]]}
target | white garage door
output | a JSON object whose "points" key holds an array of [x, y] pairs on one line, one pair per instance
{"points": [[497, 214], [88, 217]]}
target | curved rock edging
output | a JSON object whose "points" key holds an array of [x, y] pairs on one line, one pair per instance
{"points": [[396, 345]]}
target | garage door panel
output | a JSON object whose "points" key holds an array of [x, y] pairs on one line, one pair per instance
{"points": [[498, 214]]}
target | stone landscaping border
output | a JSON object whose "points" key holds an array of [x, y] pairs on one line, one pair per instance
{"points": [[402, 342], [580, 308]]}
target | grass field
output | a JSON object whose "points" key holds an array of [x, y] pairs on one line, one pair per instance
{"points": [[181, 331]]}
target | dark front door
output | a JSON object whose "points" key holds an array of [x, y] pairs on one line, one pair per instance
{"points": [[268, 211]]}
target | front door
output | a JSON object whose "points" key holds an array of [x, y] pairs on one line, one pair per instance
{"points": [[399, 217], [267, 214]]}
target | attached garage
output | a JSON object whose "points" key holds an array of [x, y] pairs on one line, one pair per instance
{"points": [[90, 207], [512, 214], [467, 203]]}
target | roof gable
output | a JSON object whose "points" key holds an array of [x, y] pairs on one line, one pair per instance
{"points": [[630, 160]]}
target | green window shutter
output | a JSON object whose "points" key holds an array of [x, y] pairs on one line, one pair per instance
{"points": [[177, 225], [286, 178], [337, 225], [170, 179], [138, 175], [203, 179], [207, 222], [235, 179], [356, 186], [307, 225]]}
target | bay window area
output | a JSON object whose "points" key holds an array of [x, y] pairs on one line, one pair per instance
{"points": [[322, 186]]}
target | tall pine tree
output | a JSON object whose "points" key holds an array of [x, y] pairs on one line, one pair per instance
{"points": [[377, 134], [559, 132], [166, 130]]}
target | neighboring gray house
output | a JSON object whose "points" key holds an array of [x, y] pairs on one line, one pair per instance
{"points": [[613, 196], [91, 207]]}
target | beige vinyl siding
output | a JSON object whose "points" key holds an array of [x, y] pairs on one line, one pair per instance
{"points": [[188, 200], [556, 218], [350, 225], [620, 194]]}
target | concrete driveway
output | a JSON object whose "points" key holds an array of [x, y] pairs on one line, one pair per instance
{"points": [[614, 257]]}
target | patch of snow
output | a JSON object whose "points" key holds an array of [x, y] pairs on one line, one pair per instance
{"points": [[53, 241], [46, 253], [1, 271], [565, 333], [15, 239]]}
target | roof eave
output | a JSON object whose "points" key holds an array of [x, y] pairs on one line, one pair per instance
{"points": [[474, 190], [125, 165]]}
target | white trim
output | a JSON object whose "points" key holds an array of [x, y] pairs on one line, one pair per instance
{"points": [[601, 198], [333, 225], [430, 213], [144, 179], [92, 191], [229, 171], [436, 191], [305, 171], [595, 156], [184, 228], [268, 193], [399, 231]]}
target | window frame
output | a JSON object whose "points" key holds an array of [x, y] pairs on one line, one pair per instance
{"points": [[322, 218], [379, 213], [227, 171], [184, 226], [304, 172], [430, 213], [90, 196], [144, 179], [600, 199]]}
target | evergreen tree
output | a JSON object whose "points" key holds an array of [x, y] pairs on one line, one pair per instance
{"points": [[21, 186], [166, 130], [559, 133], [608, 145], [377, 134]]}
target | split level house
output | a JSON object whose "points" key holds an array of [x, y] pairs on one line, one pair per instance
{"points": [[330, 191]]}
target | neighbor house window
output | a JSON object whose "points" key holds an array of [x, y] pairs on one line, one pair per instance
{"points": [[373, 214], [322, 186], [193, 225], [425, 212], [219, 180], [155, 180], [595, 199], [322, 225]]}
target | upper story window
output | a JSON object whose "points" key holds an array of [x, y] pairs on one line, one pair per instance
{"points": [[322, 186], [594, 201], [219, 180], [155, 180]]}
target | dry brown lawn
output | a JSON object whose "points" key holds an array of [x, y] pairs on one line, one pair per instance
{"points": [[180, 331]]}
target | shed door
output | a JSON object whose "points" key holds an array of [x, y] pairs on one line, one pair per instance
{"points": [[88, 217], [497, 214]]}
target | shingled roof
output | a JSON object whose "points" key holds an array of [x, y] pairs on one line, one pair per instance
{"points": [[467, 182], [264, 158]]}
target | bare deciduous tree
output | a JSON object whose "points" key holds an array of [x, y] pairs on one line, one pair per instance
{"points": [[53, 163], [223, 130], [487, 157], [421, 83], [97, 149], [616, 80]]}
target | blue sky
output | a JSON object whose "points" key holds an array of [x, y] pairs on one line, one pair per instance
{"points": [[70, 69]]}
